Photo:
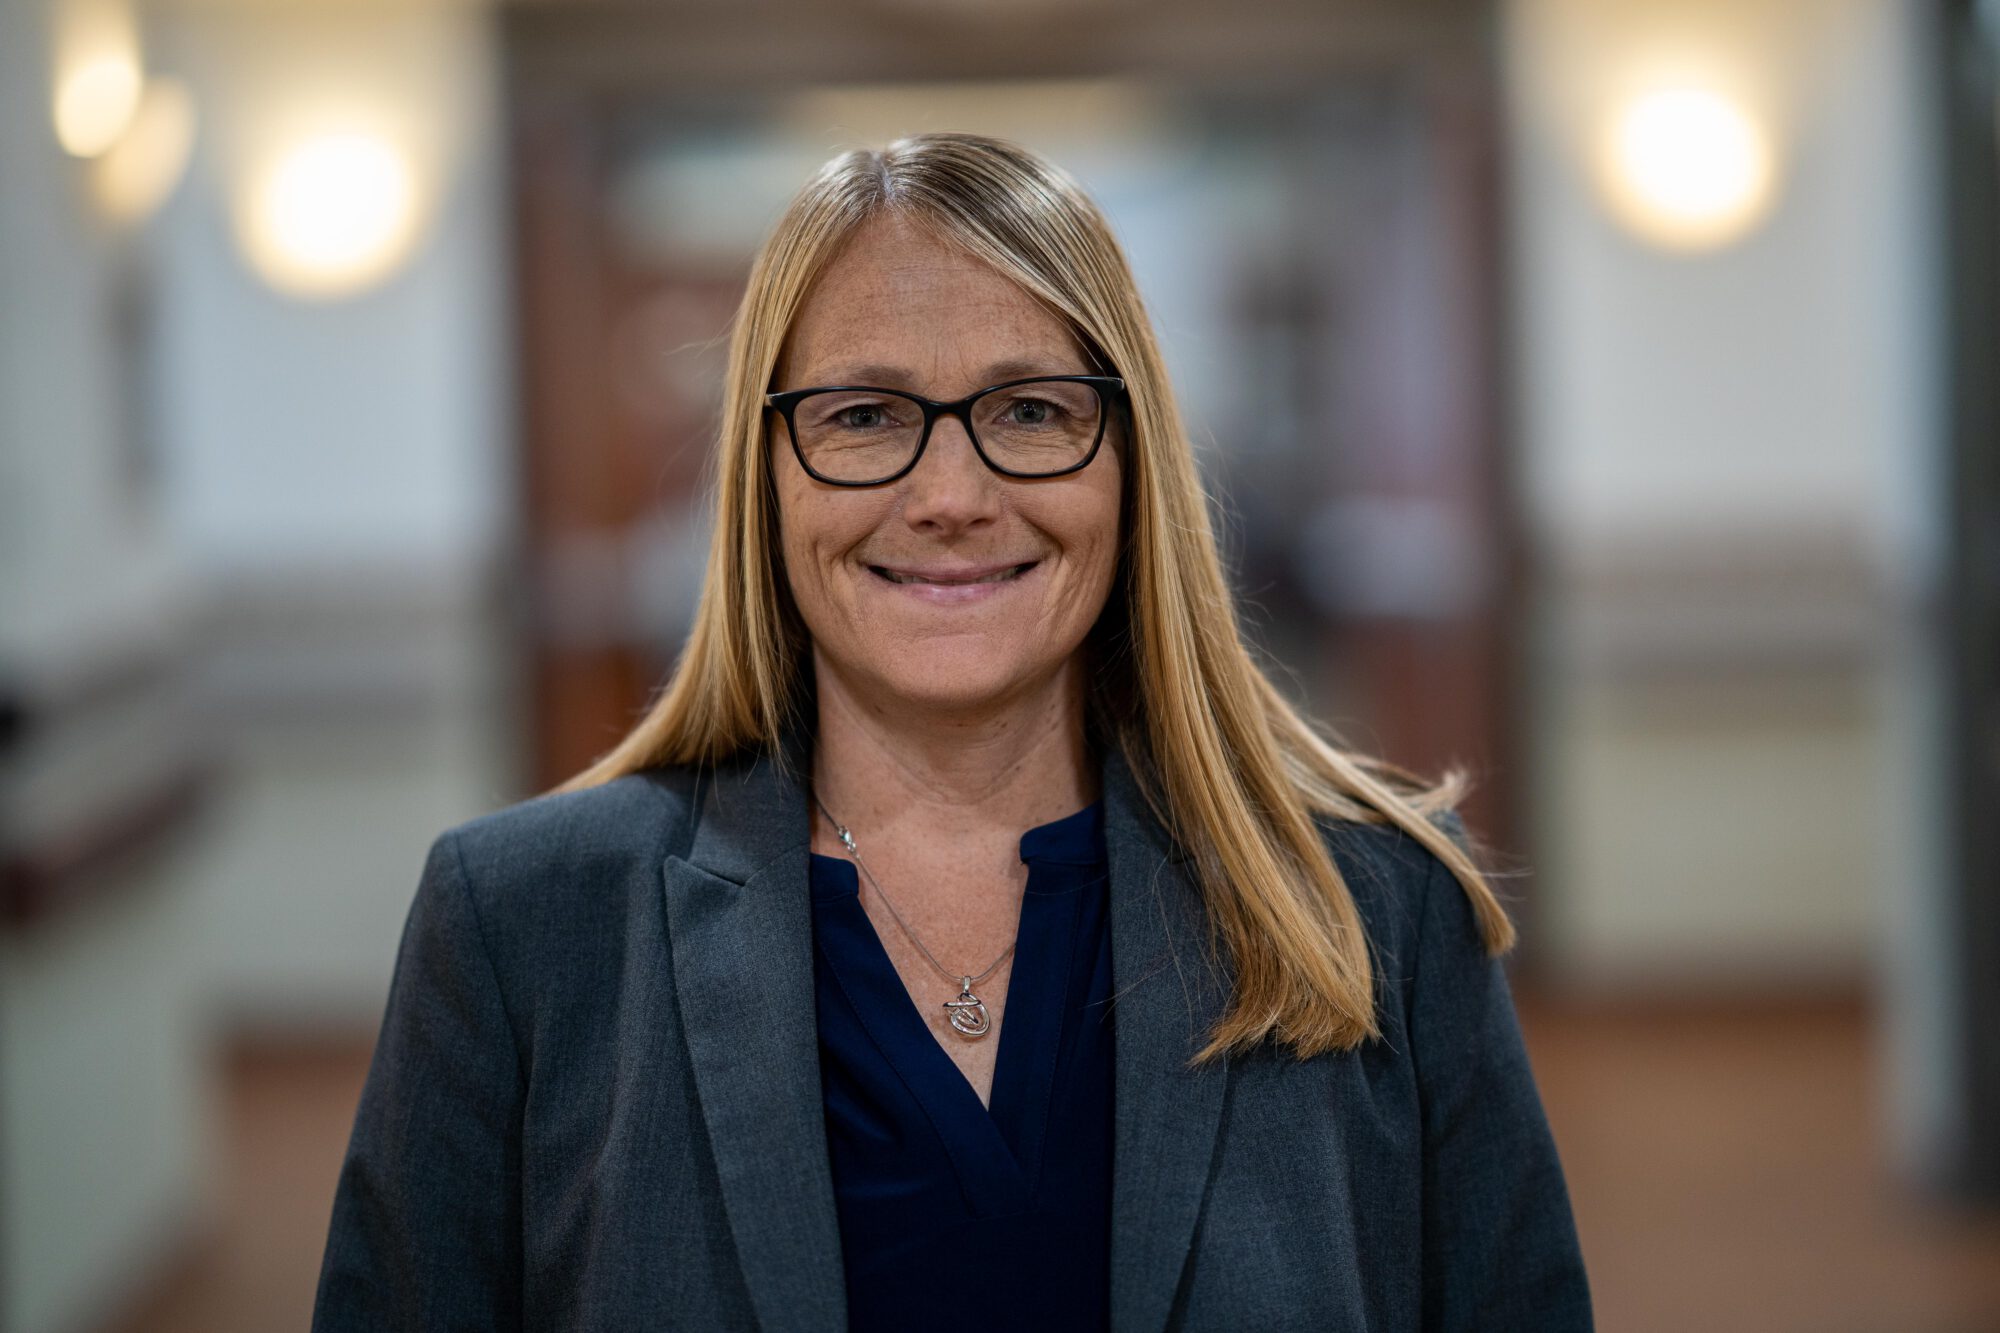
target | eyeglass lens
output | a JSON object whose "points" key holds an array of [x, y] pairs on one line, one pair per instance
{"points": [[1037, 427]]}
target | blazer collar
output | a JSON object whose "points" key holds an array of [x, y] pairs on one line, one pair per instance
{"points": [[739, 916]]}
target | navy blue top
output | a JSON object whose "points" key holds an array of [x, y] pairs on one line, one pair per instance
{"points": [[952, 1213]]}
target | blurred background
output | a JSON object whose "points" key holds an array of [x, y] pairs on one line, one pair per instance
{"points": [[1601, 394]]}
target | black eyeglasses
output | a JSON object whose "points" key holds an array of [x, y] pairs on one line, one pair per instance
{"points": [[855, 435]]}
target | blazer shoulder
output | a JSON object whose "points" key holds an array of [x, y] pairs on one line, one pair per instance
{"points": [[567, 837], [1389, 873]]}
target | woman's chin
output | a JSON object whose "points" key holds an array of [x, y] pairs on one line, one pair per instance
{"points": [[955, 681]]}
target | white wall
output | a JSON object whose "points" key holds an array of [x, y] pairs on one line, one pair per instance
{"points": [[339, 475], [303, 434], [103, 1135], [1707, 440], [308, 501]]}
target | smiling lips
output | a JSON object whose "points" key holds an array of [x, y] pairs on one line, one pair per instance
{"points": [[952, 577], [953, 584]]}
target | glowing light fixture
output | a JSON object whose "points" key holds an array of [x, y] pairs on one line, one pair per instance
{"points": [[98, 76], [141, 169], [1685, 168], [331, 213]]}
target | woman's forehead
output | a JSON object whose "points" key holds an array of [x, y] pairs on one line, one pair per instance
{"points": [[896, 299]]}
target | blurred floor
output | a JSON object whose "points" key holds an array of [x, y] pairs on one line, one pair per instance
{"points": [[287, 1111], [1728, 1170], [1725, 1166]]}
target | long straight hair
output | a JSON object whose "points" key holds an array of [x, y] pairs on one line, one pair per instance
{"points": [[1231, 769]]}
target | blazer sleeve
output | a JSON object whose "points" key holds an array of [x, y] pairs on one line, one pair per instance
{"points": [[427, 1214], [1500, 1243]]}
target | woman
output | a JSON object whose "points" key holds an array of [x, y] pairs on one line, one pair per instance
{"points": [[1157, 1007]]}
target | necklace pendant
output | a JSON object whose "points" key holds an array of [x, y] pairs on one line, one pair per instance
{"points": [[968, 1011]]}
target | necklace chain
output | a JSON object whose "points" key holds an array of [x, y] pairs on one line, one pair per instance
{"points": [[968, 1013]]}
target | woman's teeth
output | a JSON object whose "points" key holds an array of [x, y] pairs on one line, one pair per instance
{"points": [[1000, 576]]}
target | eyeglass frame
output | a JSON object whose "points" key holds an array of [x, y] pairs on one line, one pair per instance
{"points": [[1111, 393]]}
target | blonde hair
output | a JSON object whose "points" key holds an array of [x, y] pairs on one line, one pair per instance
{"points": [[1231, 769]]}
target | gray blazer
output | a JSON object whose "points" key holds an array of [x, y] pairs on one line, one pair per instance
{"points": [[595, 1102]]}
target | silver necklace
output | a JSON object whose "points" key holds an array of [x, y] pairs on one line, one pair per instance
{"points": [[968, 1012]]}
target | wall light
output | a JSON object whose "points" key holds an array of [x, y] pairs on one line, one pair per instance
{"points": [[98, 76], [142, 168], [1685, 167], [330, 213]]}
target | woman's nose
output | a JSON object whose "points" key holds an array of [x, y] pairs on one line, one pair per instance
{"points": [[950, 485]]}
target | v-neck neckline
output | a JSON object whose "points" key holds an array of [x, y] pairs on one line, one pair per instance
{"points": [[996, 1146]]}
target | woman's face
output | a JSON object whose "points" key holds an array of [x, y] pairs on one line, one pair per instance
{"points": [[898, 310]]}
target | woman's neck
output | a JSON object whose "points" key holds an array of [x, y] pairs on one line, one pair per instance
{"points": [[932, 785]]}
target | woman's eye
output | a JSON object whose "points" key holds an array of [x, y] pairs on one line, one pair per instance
{"points": [[859, 416], [1032, 411]]}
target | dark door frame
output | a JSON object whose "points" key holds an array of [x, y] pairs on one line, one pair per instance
{"points": [[1969, 61]]}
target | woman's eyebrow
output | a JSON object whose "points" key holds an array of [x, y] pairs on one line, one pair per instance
{"points": [[889, 377], [899, 377], [1015, 368]]}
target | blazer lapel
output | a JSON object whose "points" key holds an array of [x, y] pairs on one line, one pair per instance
{"points": [[739, 914], [1166, 994]]}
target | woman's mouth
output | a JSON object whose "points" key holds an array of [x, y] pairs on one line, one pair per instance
{"points": [[997, 576], [949, 589]]}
